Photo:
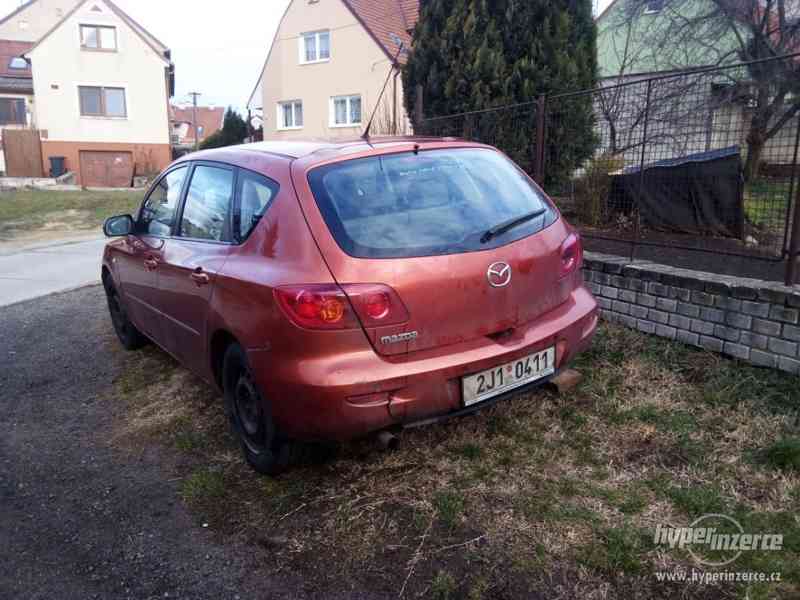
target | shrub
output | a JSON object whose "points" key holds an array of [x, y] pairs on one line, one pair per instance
{"points": [[593, 188]]}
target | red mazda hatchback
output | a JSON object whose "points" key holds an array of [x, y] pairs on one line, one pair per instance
{"points": [[336, 290]]}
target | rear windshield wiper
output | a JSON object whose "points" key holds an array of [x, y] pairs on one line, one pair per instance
{"points": [[510, 224]]}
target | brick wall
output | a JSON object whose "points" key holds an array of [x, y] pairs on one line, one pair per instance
{"points": [[755, 321]]}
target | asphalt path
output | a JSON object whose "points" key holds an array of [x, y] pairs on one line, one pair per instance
{"points": [[78, 518], [56, 266]]}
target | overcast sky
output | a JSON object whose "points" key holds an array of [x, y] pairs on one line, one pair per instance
{"points": [[218, 47]]}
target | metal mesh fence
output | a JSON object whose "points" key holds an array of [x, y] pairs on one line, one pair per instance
{"points": [[512, 128], [690, 161]]}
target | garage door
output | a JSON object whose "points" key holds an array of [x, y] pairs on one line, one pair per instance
{"points": [[106, 169]]}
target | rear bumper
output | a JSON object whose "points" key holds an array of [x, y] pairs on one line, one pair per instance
{"points": [[351, 396]]}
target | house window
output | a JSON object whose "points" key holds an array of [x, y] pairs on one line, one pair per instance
{"points": [[654, 6], [12, 111], [315, 46], [102, 101], [18, 63], [98, 37], [345, 111], [290, 115]]}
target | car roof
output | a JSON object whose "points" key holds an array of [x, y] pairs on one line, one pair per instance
{"points": [[305, 148], [260, 155]]}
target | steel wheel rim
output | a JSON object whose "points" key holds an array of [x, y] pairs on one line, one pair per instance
{"points": [[247, 406], [117, 312]]}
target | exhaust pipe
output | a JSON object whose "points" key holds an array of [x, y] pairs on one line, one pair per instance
{"points": [[387, 440]]}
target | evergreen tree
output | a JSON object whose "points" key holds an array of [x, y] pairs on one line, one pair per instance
{"points": [[233, 132], [475, 54]]}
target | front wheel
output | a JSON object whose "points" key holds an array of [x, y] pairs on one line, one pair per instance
{"points": [[250, 415], [130, 337]]}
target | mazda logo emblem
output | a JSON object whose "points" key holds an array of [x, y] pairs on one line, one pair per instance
{"points": [[499, 274]]}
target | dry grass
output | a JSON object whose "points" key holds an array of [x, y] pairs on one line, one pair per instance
{"points": [[543, 496]]}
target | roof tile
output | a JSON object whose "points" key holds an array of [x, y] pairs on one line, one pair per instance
{"points": [[384, 19], [210, 119], [10, 49]]}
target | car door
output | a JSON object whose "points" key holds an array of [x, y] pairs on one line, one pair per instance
{"points": [[141, 255], [193, 257]]}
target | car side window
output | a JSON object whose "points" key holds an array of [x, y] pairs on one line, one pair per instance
{"points": [[255, 195], [206, 214], [158, 212]]}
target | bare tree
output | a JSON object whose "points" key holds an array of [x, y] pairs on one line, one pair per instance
{"points": [[611, 104], [676, 109], [719, 32]]}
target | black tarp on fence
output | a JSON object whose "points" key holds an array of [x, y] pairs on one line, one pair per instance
{"points": [[700, 194]]}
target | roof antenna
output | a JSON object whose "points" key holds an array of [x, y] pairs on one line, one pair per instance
{"points": [[365, 135]]}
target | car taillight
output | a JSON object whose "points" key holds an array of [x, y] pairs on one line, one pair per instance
{"points": [[329, 306], [571, 255], [377, 305], [316, 306]]}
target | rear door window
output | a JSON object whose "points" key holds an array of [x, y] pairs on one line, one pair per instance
{"points": [[207, 212], [425, 204], [157, 216]]}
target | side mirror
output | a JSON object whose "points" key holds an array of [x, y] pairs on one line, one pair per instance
{"points": [[118, 226]]}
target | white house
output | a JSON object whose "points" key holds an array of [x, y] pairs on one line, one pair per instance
{"points": [[327, 65], [101, 88]]}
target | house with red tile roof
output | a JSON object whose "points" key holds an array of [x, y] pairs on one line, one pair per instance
{"points": [[94, 84], [16, 90], [327, 65], [209, 121]]}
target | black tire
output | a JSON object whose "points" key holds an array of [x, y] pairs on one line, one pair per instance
{"points": [[264, 448], [130, 337]]}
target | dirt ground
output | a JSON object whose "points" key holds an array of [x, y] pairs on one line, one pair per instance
{"points": [[123, 481], [764, 268]]}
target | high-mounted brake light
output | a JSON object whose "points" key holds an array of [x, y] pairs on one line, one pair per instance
{"points": [[328, 306], [571, 255]]}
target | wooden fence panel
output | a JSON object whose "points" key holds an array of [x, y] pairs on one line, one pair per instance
{"points": [[23, 153]]}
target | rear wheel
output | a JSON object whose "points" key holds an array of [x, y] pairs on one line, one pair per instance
{"points": [[130, 337], [264, 448]]}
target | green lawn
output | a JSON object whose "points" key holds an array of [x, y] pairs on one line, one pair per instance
{"points": [[29, 210], [541, 496]]}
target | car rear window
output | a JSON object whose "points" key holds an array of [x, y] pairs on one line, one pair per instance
{"points": [[427, 203]]}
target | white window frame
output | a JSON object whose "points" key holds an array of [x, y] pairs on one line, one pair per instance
{"points": [[316, 35], [332, 111], [280, 124]]}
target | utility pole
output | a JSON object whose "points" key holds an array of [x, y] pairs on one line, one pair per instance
{"points": [[194, 96]]}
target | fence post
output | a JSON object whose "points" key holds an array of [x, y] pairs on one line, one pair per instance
{"points": [[637, 223], [793, 236], [419, 109], [538, 151], [794, 243]]}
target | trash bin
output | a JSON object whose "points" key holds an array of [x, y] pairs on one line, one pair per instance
{"points": [[57, 166]]}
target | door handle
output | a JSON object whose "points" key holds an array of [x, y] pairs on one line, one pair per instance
{"points": [[199, 277], [151, 264]]}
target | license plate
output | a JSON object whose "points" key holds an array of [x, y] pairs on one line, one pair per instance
{"points": [[487, 384]]}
